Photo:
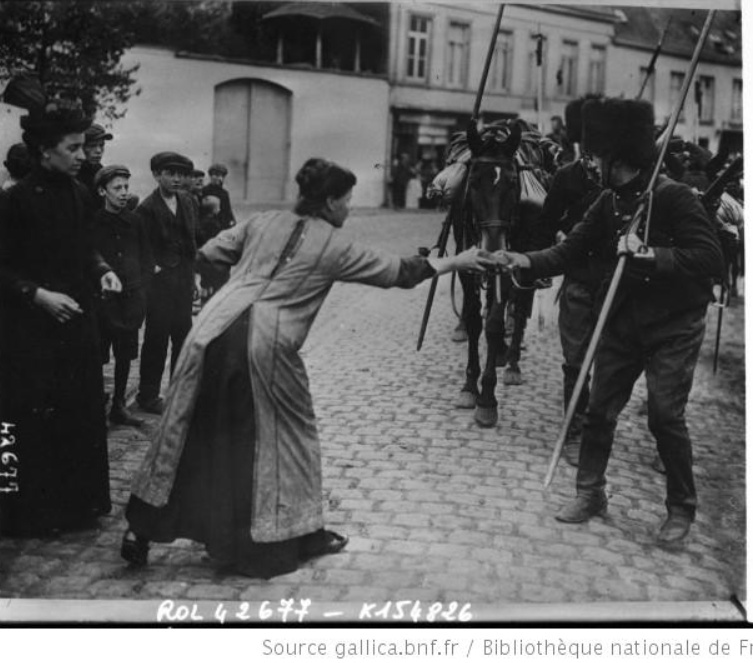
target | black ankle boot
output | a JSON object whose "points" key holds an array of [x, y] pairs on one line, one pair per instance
{"points": [[134, 549], [119, 414]]}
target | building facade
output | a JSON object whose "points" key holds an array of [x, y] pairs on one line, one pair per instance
{"points": [[544, 57], [363, 86]]}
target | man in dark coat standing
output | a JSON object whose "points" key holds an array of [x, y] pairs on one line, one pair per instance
{"points": [[657, 320], [573, 190], [55, 474], [170, 217], [120, 237]]}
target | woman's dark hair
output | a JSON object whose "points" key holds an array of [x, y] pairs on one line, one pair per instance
{"points": [[319, 179], [47, 128]]}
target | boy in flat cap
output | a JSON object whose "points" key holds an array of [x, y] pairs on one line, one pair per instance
{"points": [[657, 321], [120, 237], [170, 217], [94, 149], [196, 184], [217, 174]]}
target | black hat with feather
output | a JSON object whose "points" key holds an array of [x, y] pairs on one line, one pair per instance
{"points": [[620, 129], [47, 119]]}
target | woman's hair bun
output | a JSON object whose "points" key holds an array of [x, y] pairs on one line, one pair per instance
{"points": [[319, 179]]}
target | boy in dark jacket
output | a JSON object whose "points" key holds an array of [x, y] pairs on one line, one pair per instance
{"points": [[170, 217], [120, 237]]}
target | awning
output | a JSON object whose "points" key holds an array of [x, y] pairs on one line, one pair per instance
{"points": [[319, 11]]}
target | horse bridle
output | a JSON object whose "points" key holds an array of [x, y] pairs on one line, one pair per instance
{"points": [[519, 167]]}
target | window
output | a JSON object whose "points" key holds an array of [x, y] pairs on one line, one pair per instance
{"points": [[567, 76], [737, 100], [649, 91], [418, 48], [532, 84], [706, 99], [676, 79], [457, 54], [596, 69], [500, 71]]}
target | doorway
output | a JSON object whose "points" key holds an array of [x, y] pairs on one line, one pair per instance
{"points": [[252, 138]]}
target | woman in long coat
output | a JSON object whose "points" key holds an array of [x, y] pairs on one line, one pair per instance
{"points": [[54, 471], [236, 462]]}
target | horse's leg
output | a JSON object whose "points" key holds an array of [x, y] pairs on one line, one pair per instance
{"points": [[500, 358], [471, 316], [523, 303], [486, 414]]}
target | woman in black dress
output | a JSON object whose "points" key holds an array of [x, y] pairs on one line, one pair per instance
{"points": [[51, 391]]}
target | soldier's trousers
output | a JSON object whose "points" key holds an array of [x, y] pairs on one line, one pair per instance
{"points": [[577, 318], [668, 352]]}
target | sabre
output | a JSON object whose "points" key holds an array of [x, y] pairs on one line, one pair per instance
{"points": [[720, 305], [444, 234], [644, 206]]}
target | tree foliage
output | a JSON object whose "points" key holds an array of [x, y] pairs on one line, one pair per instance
{"points": [[75, 47]]}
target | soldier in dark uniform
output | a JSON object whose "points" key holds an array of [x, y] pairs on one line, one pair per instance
{"points": [[120, 237], [51, 387], [657, 320], [94, 149], [170, 217], [573, 190], [217, 174]]}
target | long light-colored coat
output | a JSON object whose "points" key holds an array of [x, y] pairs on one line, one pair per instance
{"points": [[286, 485]]}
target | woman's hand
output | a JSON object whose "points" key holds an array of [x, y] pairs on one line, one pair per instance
{"points": [[111, 283], [58, 305], [473, 260], [509, 260]]}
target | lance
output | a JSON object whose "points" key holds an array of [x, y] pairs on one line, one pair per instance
{"points": [[651, 65], [643, 207], [444, 234]]}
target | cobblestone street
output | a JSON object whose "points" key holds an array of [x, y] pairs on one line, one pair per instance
{"points": [[438, 509]]}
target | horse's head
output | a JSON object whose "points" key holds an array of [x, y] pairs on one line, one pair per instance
{"points": [[493, 184]]}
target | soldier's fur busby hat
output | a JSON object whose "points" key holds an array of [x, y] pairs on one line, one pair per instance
{"points": [[48, 119], [574, 119], [620, 129]]}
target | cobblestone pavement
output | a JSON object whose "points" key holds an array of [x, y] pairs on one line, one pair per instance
{"points": [[438, 509]]}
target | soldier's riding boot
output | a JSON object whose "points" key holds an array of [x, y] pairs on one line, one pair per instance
{"points": [[571, 450], [676, 527], [583, 508], [591, 499], [119, 414]]}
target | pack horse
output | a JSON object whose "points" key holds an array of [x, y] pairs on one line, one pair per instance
{"points": [[504, 171]]}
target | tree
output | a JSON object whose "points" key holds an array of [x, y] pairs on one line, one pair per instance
{"points": [[75, 48]]}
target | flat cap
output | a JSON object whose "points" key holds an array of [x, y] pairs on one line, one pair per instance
{"points": [[197, 173], [218, 168], [96, 133], [170, 160], [108, 173]]}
